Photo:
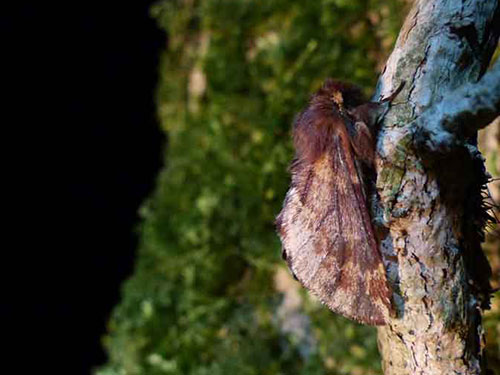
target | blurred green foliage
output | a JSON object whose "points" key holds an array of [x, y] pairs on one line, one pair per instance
{"points": [[203, 298]]}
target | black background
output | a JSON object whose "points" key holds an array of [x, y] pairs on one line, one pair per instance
{"points": [[81, 79]]}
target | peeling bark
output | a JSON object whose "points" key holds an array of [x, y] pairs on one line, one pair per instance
{"points": [[430, 201]]}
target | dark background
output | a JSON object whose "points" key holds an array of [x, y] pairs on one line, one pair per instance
{"points": [[80, 85]]}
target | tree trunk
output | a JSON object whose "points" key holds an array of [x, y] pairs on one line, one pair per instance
{"points": [[430, 178]]}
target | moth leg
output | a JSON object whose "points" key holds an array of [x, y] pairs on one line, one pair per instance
{"points": [[362, 142], [370, 113]]}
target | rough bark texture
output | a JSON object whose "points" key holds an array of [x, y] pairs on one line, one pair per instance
{"points": [[460, 115], [430, 197]]}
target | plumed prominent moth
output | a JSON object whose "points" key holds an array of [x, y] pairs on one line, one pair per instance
{"points": [[325, 226]]}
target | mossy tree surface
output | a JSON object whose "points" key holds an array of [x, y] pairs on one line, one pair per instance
{"points": [[207, 295]]}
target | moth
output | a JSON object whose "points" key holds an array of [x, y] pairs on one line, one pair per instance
{"points": [[325, 227]]}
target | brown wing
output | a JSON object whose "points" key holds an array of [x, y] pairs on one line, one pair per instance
{"points": [[327, 236]]}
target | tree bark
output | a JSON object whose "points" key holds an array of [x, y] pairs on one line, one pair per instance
{"points": [[430, 178]]}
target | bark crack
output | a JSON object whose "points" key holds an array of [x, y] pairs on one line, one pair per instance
{"points": [[405, 31], [416, 76]]}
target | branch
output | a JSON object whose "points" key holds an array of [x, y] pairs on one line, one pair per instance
{"points": [[459, 115], [432, 206]]}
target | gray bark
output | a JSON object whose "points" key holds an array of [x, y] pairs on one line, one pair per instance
{"points": [[460, 115], [429, 183]]}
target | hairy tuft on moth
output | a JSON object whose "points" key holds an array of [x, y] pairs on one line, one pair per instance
{"points": [[325, 227]]}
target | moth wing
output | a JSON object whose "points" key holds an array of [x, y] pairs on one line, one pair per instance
{"points": [[328, 240]]}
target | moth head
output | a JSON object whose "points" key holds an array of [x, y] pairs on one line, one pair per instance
{"points": [[342, 95]]}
